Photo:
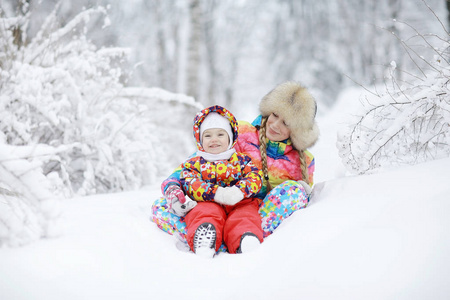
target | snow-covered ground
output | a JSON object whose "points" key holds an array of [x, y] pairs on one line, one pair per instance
{"points": [[379, 236]]}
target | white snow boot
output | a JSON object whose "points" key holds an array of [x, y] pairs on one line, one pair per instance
{"points": [[205, 240], [249, 242]]}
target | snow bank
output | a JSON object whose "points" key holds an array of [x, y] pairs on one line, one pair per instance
{"points": [[380, 236]]}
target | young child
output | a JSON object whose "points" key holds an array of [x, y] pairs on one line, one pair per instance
{"points": [[222, 182]]}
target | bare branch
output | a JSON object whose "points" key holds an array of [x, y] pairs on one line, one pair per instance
{"points": [[359, 84], [437, 18]]}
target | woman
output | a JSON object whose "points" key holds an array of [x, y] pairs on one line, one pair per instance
{"points": [[276, 141]]}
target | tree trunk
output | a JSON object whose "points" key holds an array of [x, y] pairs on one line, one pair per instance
{"points": [[211, 52], [22, 9], [395, 7], [448, 14], [161, 42], [193, 64]]}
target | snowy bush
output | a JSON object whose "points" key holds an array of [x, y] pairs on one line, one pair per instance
{"points": [[31, 210], [68, 126], [59, 90], [407, 124]]}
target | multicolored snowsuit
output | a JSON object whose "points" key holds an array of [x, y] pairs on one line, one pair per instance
{"points": [[286, 197], [200, 180]]}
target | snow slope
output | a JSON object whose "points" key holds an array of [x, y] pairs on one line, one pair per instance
{"points": [[380, 236]]}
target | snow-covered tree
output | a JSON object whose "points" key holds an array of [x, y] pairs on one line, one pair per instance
{"points": [[68, 125], [410, 121], [246, 47], [60, 90]]}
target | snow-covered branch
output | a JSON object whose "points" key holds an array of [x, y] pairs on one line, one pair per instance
{"points": [[68, 126], [406, 125], [28, 209], [43, 42]]}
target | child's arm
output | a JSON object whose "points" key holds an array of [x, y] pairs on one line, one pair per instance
{"points": [[193, 183], [174, 178], [246, 187]]}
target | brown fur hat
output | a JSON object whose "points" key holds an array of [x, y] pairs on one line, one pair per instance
{"points": [[297, 107]]}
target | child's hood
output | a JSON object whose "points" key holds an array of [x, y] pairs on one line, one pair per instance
{"points": [[198, 120]]}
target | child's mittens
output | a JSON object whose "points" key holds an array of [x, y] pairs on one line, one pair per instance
{"points": [[228, 195], [306, 186], [177, 201], [181, 209], [173, 193]]}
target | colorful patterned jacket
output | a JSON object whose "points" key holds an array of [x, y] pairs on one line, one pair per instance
{"points": [[201, 178], [283, 160]]}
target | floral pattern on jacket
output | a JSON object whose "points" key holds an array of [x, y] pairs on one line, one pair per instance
{"points": [[283, 159], [200, 178]]}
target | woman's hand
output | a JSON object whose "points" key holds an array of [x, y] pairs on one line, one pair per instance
{"points": [[306, 186]]}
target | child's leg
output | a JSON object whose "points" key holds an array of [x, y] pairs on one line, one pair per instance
{"points": [[243, 218], [166, 220], [280, 203], [205, 212]]}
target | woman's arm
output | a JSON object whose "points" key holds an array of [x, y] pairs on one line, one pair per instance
{"points": [[310, 163], [251, 182]]}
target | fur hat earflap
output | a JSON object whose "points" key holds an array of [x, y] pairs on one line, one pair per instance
{"points": [[297, 107]]}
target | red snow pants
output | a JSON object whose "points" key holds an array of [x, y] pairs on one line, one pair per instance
{"points": [[231, 222]]}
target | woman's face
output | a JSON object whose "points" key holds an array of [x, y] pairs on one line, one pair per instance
{"points": [[276, 128]]}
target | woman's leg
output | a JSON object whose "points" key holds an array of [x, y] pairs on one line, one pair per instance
{"points": [[166, 220], [243, 218], [280, 203]]}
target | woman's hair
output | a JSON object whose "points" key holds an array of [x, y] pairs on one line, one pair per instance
{"points": [[263, 152]]}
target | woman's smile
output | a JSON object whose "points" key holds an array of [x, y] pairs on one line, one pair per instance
{"points": [[272, 131]]}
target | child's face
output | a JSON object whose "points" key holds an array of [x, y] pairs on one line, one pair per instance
{"points": [[276, 129], [215, 140]]}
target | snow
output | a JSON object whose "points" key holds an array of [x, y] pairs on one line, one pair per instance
{"points": [[402, 125], [377, 236]]}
